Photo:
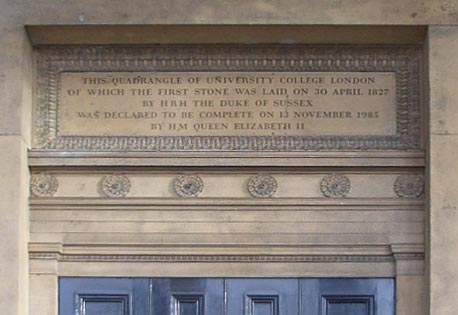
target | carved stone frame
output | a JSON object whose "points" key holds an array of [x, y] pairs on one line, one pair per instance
{"points": [[402, 60]]}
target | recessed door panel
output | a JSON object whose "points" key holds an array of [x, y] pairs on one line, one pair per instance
{"points": [[343, 305], [187, 296], [347, 296], [103, 296], [262, 296]]}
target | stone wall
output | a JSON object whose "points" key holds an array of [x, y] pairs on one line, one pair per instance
{"points": [[16, 78]]}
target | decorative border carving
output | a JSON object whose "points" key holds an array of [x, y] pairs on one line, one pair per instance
{"points": [[188, 186], [115, 186], [409, 256], [43, 185], [404, 61], [213, 258], [409, 185], [262, 186], [335, 185]]}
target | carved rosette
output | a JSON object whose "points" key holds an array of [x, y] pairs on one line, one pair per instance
{"points": [[335, 185], [115, 185], [262, 186], [188, 186], [43, 185], [409, 185]]}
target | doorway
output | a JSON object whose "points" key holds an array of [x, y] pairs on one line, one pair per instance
{"points": [[226, 296]]}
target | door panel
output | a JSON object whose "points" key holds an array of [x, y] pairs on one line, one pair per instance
{"points": [[187, 296], [103, 296], [262, 296], [206, 296], [110, 305], [347, 296], [343, 305]]}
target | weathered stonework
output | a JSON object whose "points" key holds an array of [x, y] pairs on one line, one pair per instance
{"points": [[220, 258], [403, 61], [97, 260], [262, 186], [115, 185], [188, 186], [43, 185], [335, 185], [409, 185]]}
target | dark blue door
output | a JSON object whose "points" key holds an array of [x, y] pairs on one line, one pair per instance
{"points": [[179, 296], [103, 296], [262, 296], [347, 297], [209, 296]]}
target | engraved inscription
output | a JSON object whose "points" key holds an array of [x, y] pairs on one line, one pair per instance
{"points": [[168, 98], [227, 103]]}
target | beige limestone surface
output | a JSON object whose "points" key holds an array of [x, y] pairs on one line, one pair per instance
{"points": [[233, 12], [145, 184], [16, 78], [226, 103], [14, 225], [443, 276]]}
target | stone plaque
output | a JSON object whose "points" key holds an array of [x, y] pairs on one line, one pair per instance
{"points": [[227, 103], [227, 98]]}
